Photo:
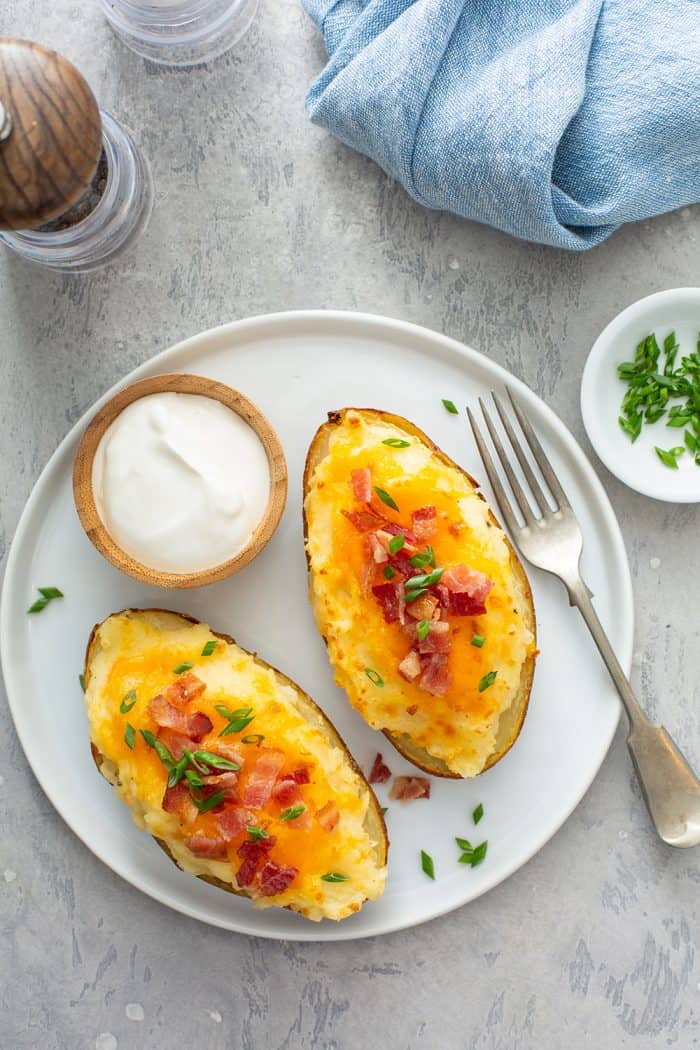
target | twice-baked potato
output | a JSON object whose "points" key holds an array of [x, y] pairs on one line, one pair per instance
{"points": [[424, 607], [230, 766]]}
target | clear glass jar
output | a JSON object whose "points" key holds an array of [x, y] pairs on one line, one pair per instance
{"points": [[180, 32], [117, 220]]}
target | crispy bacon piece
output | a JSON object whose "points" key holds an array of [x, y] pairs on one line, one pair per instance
{"points": [[177, 800], [262, 778], [436, 677], [424, 523], [423, 608], [380, 772], [226, 782], [204, 846], [406, 789], [185, 688], [175, 742], [437, 640], [253, 854], [286, 793], [274, 879], [232, 822], [401, 563], [361, 481], [468, 590], [410, 667], [377, 549], [299, 776], [365, 520], [329, 815], [390, 599], [168, 717]]}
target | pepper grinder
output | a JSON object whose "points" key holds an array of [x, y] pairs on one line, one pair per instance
{"points": [[74, 188]]}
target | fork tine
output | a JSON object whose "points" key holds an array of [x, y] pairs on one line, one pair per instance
{"points": [[496, 485], [515, 485], [535, 487], [540, 456]]}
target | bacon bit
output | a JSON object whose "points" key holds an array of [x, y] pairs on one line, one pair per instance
{"points": [[436, 677], [253, 855], [232, 822], [329, 815], [380, 772], [410, 667], [177, 800], [299, 776], [423, 608], [424, 524], [437, 640], [361, 481], [262, 778], [187, 687], [365, 520], [176, 743], [406, 789], [463, 604], [412, 709], [468, 590], [388, 595], [286, 793], [195, 726], [204, 846], [226, 782], [274, 879], [376, 548]]}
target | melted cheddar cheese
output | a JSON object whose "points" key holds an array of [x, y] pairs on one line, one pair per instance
{"points": [[461, 727]]}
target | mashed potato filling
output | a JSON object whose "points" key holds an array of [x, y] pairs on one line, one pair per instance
{"points": [[460, 727], [131, 653]]}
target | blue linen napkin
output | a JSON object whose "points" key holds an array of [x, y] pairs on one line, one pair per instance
{"points": [[555, 120]]}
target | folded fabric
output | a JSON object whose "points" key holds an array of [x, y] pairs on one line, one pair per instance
{"points": [[555, 120]]}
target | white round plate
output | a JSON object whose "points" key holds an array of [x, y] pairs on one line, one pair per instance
{"points": [[602, 392], [297, 366]]}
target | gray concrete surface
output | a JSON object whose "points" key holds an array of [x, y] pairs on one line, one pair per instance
{"points": [[594, 942]]}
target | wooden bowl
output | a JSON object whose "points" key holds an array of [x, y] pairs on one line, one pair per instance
{"points": [[85, 501]]}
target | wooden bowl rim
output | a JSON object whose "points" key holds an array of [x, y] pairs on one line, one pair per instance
{"points": [[180, 383]]}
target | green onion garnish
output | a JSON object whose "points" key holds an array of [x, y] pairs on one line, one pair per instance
{"points": [[181, 668], [205, 804], [487, 680], [396, 543], [426, 863], [81, 679], [412, 596], [47, 595], [208, 758], [292, 813], [335, 876], [427, 557], [396, 442], [423, 630], [450, 406], [473, 855], [669, 457], [374, 677], [253, 738], [386, 498], [478, 813], [426, 579], [128, 702], [383, 810], [478, 640], [193, 778], [209, 647], [256, 833], [129, 735], [237, 720], [464, 844], [178, 771], [389, 572], [160, 749]]}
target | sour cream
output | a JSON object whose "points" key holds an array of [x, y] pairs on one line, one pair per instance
{"points": [[180, 482]]}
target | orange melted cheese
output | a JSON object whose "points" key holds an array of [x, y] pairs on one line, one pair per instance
{"points": [[137, 657], [460, 727]]}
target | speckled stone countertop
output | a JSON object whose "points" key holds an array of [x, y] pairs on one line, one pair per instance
{"points": [[593, 943]]}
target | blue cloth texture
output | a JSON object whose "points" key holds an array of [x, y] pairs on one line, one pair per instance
{"points": [[554, 120]]}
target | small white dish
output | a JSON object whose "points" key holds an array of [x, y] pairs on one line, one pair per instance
{"points": [[636, 463]]}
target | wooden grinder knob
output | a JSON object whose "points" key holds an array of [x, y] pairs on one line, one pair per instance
{"points": [[50, 134]]}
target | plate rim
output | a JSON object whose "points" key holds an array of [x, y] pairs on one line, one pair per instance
{"points": [[319, 932]]}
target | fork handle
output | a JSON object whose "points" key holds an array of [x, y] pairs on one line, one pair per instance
{"points": [[670, 788]]}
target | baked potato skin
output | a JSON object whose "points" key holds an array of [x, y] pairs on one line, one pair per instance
{"points": [[419, 756], [375, 820]]}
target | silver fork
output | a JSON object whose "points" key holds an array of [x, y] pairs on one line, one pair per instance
{"points": [[551, 539]]}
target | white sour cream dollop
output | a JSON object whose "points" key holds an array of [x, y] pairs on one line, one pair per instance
{"points": [[180, 482]]}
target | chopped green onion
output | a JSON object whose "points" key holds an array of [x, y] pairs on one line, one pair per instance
{"points": [[426, 557], [478, 813], [426, 579], [383, 810], [148, 737], [160, 749], [691, 442], [292, 812], [193, 778], [181, 668], [129, 735], [396, 543], [464, 844], [487, 680], [386, 498], [178, 771], [81, 679], [426, 863], [669, 457], [450, 406], [209, 647], [237, 725], [256, 833], [413, 596], [208, 758], [38, 605], [396, 442], [205, 804], [374, 677], [478, 640], [479, 853], [128, 702], [335, 876], [50, 592], [389, 572], [254, 738], [423, 630]]}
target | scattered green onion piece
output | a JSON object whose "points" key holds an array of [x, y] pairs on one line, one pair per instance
{"points": [[178, 771], [423, 630], [396, 543], [292, 812], [253, 738], [669, 457], [256, 833], [389, 572], [464, 844], [38, 605], [205, 804], [129, 735], [148, 737], [479, 853], [374, 677], [412, 596], [386, 498], [208, 758], [426, 557], [426, 579], [426, 863], [181, 668], [128, 702], [478, 640], [396, 442], [478, 813], [50, 592], [209, 647], [487, 680], [450, 406], [335, 876], [193, 778], [236, 726], [383, 810]]}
